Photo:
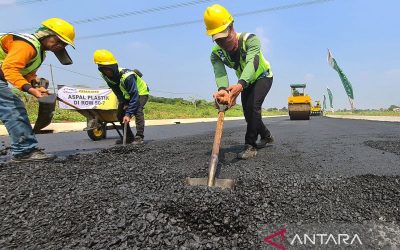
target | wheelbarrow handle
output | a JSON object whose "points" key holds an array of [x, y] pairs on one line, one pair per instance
{"points": [[67, 103]]}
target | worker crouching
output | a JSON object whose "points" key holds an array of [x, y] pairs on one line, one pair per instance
{"points": [[131, 90]]}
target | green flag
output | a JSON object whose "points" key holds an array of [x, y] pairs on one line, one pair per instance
{"points": [[330, 97], [324, 103], [346, 83]]}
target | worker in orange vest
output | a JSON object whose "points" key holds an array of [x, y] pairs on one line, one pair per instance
{"points": [[20, 57]]}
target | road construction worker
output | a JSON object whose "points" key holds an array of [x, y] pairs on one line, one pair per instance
{"points": [[20, 57], [131, 90], [242, 52]]}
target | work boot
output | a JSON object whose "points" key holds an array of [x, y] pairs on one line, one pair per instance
{"points": [[120, 141], [34, 156], [264, 141], [248, 152], [138, 140]]}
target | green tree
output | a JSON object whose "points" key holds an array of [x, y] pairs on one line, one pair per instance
{"points": [[392, 107]]}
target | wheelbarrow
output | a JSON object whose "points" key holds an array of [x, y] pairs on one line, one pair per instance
{"points": [[98, 120]]}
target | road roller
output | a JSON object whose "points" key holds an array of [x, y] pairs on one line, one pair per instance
{"points": [[299, 104], [316, 110]]}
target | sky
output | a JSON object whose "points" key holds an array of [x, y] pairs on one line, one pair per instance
{"points": [[362, 34]]}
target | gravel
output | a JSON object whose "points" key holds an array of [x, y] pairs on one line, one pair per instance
{"points": [[136, 198], [387, 146]]}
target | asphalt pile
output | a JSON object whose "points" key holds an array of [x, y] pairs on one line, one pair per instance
{"points": [[136, 198], [387, 146]]}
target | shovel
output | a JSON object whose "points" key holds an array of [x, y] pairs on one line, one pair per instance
{"points": [[212, 181], [124, 136], [47, 105]]}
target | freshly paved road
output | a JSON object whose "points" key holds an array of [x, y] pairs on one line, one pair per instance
{"points": [[63, 144], [320, 138], [325, 175]]}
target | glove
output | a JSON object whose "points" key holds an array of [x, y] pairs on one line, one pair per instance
{"points": [[40, 84], [44, 83]]}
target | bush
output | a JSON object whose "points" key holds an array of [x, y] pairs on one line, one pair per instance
{"points": [[156, 108]]}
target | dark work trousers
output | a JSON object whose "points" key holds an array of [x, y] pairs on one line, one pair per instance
{"points": [[139, 117], [252, 99]]}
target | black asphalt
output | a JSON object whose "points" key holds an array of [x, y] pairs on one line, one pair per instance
{"points": [[64, 144], [318, 173]]}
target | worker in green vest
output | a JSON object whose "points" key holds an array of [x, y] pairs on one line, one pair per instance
{"points": [[131, 90], [241, 52], [20, 57]]}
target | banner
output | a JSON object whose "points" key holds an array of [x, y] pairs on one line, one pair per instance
{"points": [[87, 98], [346, 83], [330, 97]]}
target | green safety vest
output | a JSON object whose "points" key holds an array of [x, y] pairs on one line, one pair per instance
{"points": [[35, 62], [263, 66], [140, 83]]}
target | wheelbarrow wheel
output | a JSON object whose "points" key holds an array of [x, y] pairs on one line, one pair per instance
{"points": [[98, 133]]}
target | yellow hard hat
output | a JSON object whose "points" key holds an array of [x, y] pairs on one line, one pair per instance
{"points": [[104, 57], [217, 19], [62, 28]]}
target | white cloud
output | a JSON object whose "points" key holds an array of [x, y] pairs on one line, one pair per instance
{"points": [[7, 2], [260, 32]]}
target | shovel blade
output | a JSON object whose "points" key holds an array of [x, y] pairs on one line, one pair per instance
{"points": [[49, 99], [220, 183], [47, 105]]}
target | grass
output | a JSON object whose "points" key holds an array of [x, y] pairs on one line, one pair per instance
{"points": [[168, 108], [156, 108], [366, 113]]}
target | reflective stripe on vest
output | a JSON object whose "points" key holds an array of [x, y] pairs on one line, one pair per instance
{"points": [[125, 73], [263, 65], [34, 63]]}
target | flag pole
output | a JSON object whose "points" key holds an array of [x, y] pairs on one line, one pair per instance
{"points": [[351, 104]]}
